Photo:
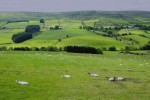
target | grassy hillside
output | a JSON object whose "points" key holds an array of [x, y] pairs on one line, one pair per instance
{"points": [[75, 37], [71, 34], [137, 39], [6, 35], [43, 71]]}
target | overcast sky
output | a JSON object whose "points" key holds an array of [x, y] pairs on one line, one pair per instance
{"points": [[73, 5]]}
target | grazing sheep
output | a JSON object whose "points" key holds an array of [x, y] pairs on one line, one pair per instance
{"points": [[112, 79], [66, 76], [120, 79], [94, 75], [22, 83]]}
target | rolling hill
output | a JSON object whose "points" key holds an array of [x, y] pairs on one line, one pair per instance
{"points": [[70, 33], [43, 70]]}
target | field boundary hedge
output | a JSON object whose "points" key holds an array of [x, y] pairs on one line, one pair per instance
{"points": [[83, 49]]}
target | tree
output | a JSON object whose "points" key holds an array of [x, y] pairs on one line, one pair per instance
{"points": [[89, 28], [146, 47], [32, 28], [112, 48], [56, 27], [42, 21], [110, 33]]}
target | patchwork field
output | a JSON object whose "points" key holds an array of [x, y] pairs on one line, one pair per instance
{"points": [[43, 71], [72, 36], [70, 23]]}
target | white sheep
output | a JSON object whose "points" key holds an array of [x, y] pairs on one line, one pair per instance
{"points": [[21, 82], [112, 79], [66, 76], [94, 75], [120, 79]]}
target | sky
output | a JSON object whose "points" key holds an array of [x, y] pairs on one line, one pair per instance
{"points": [[73, 5]]}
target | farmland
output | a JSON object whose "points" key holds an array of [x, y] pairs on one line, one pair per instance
{"points": [[43, 69], [70, 27]]}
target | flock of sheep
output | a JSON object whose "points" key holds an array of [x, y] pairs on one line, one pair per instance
{"points": [[96, 75], [69, 76]]}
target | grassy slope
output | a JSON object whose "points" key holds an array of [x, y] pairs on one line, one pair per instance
{"points": [[43, 71], [140, 40], [5, 35], [76, 37], [113, 21], [133, 31]]}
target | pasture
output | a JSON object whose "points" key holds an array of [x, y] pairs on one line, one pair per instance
{"points": [[43, 71], [70, 27]]}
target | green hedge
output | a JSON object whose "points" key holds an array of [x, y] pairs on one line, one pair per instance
{"points": [[20, 37], [83, 49]]}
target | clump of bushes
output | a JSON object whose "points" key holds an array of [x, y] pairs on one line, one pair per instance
{"points": [[130, 48], [146, 47], [83, 49], [112, 48], [21, 49], [57, 27], [13, 21], [3, 48], [23, 36], [134, 53], [32, 28], [49, 48], [20, 37]]}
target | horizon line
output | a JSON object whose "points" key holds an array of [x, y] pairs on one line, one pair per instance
{"points": [[77, 11]]}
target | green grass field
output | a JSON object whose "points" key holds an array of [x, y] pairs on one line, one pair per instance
{"points": [[70, 27], [133, 31], [50, 38], [138, 39], [43, 71]]}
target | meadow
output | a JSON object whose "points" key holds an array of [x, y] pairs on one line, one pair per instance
{"points": [[43, 71]]}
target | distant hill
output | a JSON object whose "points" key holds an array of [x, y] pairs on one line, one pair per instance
{"points": [[74, 15]]}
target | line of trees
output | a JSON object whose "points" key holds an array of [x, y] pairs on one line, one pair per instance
{"points": [[142, 27], [14, 21], [83, 49], [57, 27], [20, 37], [101, 28], [23, 36], [146, 47], [110, 31], [49, 48], [75, 49]]}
